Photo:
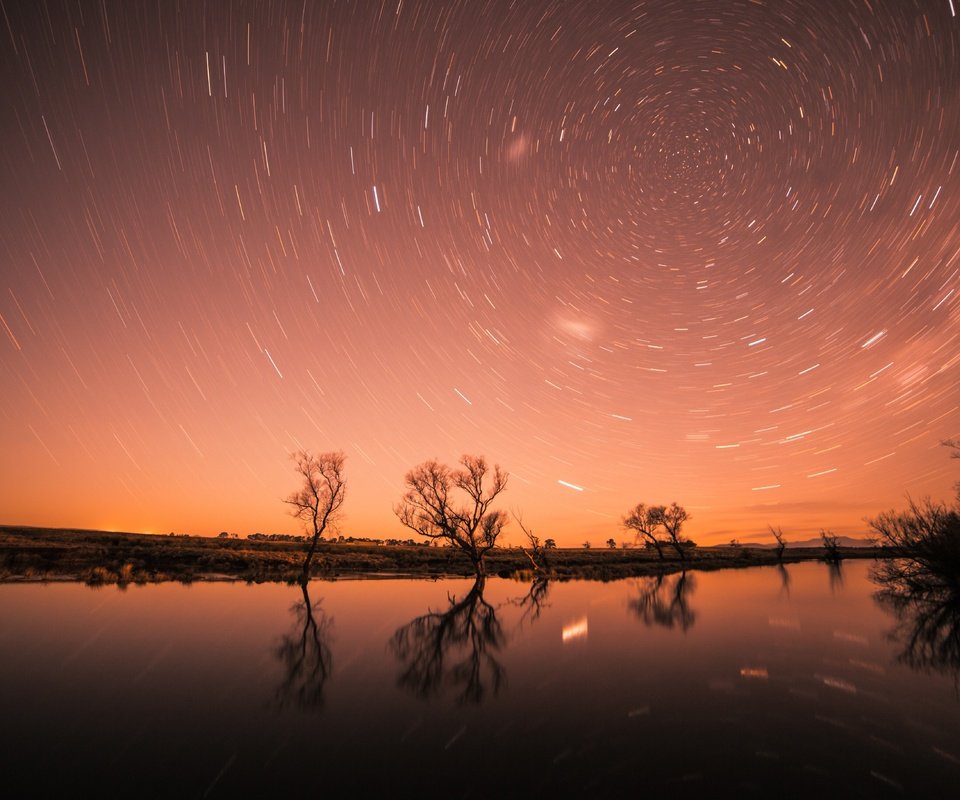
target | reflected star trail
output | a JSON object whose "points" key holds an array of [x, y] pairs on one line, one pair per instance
{"points": [[704, 252]]}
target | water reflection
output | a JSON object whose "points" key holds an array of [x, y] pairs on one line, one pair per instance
{"points": [[784, 579], [457, 647], [305, 655], [835, 571], [763, 691], [664, 601], [534, 601], [925, 598]]}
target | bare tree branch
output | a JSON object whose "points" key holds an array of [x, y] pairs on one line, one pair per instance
{"points": [[644, 521], [781, 542], [672, 519], [831, 546], [537, 554], [318, 501], [430, 508]]}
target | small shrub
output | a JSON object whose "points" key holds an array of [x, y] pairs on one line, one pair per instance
{"points": [[831, 546], [99, 576]]}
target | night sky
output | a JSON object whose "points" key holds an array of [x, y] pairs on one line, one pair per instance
{"points": [[631, 251]]}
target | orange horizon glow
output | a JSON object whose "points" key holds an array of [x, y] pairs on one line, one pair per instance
{"points": [[707, 526], [631, 253]]}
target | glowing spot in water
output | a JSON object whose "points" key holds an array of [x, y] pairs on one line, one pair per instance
{"points": [[575, 630], [756, 673]]}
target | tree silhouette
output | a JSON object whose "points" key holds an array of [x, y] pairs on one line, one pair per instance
{"points": [[455, 647], [925, 598], [306, 655], [672, 519], [831, 546], [781, 542], [537, 553], [432, 509], [317, 502], [645, 521], [922, 583], [928, 534]]}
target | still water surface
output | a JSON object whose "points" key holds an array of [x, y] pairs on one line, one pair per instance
{"points": [[740, 682]]}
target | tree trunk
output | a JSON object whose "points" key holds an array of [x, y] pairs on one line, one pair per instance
{"points": [[479, 566], [309, 558]]}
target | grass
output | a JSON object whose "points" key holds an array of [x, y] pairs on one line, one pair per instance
{"points": [[100, 557]]}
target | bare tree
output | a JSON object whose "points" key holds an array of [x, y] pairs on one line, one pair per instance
{"points": [[922, 582], [317, 502], [644, 521], [537, 553], [831, 546], [431, 508], [672, 519], [922, 588], [928, 534], [781, 542]]}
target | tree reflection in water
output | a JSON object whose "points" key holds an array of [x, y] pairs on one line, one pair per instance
{"points": [[534, 601], [784, 579], [925, 598], [664, 601], [458, 647], [455, 647], [305, 655], [835, 573]]}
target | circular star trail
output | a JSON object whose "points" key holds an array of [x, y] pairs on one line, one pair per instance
{"points": [[631, 251]]}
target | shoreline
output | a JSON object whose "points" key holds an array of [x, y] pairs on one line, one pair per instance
{"points": [[37, 555]]}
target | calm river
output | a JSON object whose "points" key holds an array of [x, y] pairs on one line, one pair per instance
{"points": [[752, 683]]}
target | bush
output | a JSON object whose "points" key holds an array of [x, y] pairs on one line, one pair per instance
{"points": [[927, 532], [99, 576]]}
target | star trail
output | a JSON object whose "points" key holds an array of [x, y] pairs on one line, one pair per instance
{"points": [[631, 251]]}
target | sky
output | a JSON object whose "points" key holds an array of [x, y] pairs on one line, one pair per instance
{"points": [[704, 252]]}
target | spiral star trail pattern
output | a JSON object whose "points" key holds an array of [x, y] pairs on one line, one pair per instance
{"points": [[692, 251]]}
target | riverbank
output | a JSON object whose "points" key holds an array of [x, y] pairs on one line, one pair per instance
{"points": [[101, 557]]}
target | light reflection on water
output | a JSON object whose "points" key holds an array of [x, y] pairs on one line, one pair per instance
{"points": [[754, 681]]}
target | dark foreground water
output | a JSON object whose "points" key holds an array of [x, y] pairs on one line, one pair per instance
{"points": [[750, 683]]}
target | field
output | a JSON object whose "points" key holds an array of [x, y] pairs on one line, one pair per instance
{"points": [[100, 557]]}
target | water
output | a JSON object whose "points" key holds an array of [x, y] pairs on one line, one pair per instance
{"points": [[742, 681]]}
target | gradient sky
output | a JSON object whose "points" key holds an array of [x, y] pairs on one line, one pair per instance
{"points": [[631, 251]]}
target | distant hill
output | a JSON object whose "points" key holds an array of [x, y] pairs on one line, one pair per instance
{"points": [[842, 541]]}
